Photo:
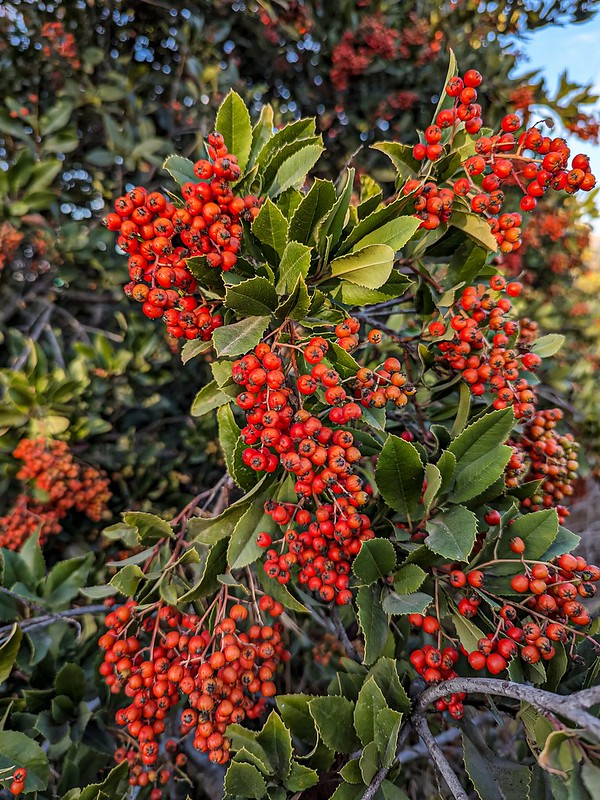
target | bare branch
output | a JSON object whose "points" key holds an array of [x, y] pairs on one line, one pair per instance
{"points": [[439, 759]]}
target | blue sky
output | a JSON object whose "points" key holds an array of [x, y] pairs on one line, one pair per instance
{"points": [[575, 48]]}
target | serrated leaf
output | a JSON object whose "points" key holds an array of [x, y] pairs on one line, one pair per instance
{"points": [[385, 674], [369, 762], [481, 437], [333, 717], [271, 229], [208, 399], [468, 633], [193, 348], [294, 264], [452, 533], [149, 527], [241, 337], [399, 475], [294, 169], [565, 542], [281, 593], [373, 622], [300, 778], [375, 559], [538, 530], [276, 741], [369, 705], [315, 204], [233, 121], [400, 605], [401, 157], [476, 477], [408, 579], [244, 780], [296, 305], [370, 267], [256, 296], [294, 708], [261, 133], [127, 580], [386, 735], [334, 222], [433, 476], [18, 749]]}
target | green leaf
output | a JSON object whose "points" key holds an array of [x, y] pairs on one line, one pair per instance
{"points": [[294, 169], [215, 564], [233, 121], [71, 682], [385, 674], [244, 780], [57, 117], [315, 205], [18, 749], [376, 559], [477, 476], [353, 295], [241, 337], [180, 169], [207, 399], [108, 787], [276, 741], [207, 277], [333, 717], [399, 475], [256, 296], [373, 622], [271, 229], [591, 778], [193, 348], [243, 549], [333, 224], [261, 133], [300, 778], [31, 555], [476, 228], [395, 234], [294, 708], [370, 267], [281, 593], [400, 605], [9, 651], [548, 345], [452, 533], [401, 157], [369, 705], [294, 264], [242, 738], [433, 476], [208, 530], [538, 530], [296, 305], [481, 437], [127, 580], [149, 527], [386, 735], [369, 762], [494, 778], [565, 542], [408, 579], [468, 633]]}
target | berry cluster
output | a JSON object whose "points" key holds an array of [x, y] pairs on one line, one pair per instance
{"points": [[501, 160], [435, 664], [17, 780], [159, 237], [60, 44], [481, 347], [321, 546], [382, 385], [159, 657], [59, 484], [549, 457]]}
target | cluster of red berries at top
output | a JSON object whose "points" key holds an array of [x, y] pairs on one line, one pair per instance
{"points": [[548, 456], [481, 347], [501, 159], [59, 484], [159, 238], [17, 780], [59, 43], [161, 658]]}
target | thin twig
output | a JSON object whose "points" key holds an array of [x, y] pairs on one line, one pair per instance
{"points": [[439, 759], [47, 619]]}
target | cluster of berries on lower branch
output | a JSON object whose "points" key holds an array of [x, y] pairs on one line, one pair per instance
{"points": [[159, 238], [214, 674], [56, 483]]}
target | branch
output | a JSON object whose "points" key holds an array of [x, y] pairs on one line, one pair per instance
{"points": [[439, 759], [48, 619], [573, 707]]}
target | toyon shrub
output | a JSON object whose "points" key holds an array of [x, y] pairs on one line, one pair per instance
{"points": [[396, 485]]}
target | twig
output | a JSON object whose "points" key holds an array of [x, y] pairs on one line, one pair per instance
{"points": [[48, 619], [343, 636], [439, 759]]}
